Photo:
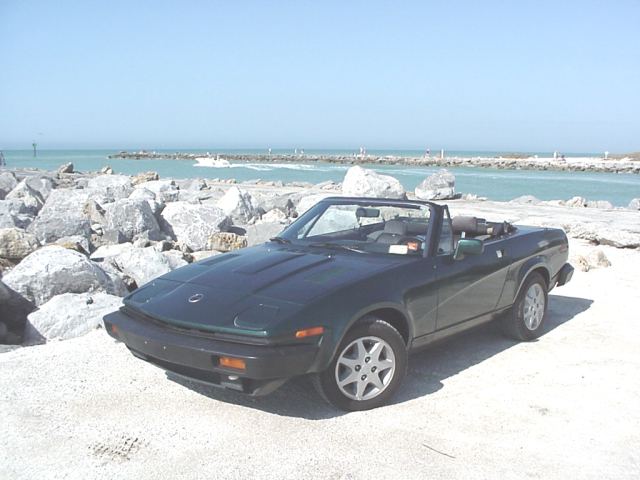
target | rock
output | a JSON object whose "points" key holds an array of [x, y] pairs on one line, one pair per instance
{"points": [[15, 244], [108, 251], [226, 241], [5, 266], [237, 203], [148, 196], [580, 262], [43, 184], [600, 204], [13, 314], [274, 215], [113, 237], [62, 215], [598, 259], [260, 233], [308, 201], [634, 204], [54, 270], [75, 242], [13, 213], [193, 224], [142, 264], [439, 186], [106, 170], [576, 202], [30, 197], [109, 188], [164, 190], [65, 168], [144, 177], [526, 200], [69, 315], [361, 182], [94, 211], [174, 258], [203, 254], [131, 217], [8, 182]]}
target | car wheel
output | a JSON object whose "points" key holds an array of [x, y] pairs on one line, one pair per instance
{"points": [[368, 367], [526, 319]]}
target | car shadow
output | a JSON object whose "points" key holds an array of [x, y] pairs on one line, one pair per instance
{"points": [[426, 373]]}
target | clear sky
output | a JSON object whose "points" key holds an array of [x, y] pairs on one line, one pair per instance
{"points": [[460, 75]]}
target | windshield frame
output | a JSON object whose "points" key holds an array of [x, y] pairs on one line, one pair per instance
{"points": [[316, 212]]}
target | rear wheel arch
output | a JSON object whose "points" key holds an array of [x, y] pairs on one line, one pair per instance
{"points": [[536, 267]]}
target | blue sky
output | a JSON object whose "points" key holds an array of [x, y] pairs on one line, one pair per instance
{"points": [[490, 75]]}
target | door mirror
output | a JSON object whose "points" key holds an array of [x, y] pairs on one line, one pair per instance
{"points": [[468, 246]]}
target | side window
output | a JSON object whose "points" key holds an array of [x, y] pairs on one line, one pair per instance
{"points": [[445, 245]]}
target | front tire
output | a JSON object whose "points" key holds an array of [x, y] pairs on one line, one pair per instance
{"points": [[368, 367], [526, 319]]}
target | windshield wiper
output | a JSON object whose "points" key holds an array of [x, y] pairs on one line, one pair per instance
{"points": [[336, 245], [280, 240]]}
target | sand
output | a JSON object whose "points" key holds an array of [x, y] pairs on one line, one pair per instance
{"points": [[478, 406]]}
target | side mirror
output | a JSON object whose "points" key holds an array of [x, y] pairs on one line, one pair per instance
{"points": [[468, 246]]}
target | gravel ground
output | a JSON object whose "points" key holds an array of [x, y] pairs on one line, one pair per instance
{"points": [[478, 406]]}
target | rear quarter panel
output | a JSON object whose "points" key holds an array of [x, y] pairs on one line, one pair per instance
{"points": [[529, 249]]}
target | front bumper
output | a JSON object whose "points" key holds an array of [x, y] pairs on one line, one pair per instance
{"points": [[197, 357]]}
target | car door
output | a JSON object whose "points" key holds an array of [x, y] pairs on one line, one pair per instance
{"points": [[468, 287]]}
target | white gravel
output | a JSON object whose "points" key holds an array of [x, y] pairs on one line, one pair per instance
{"points": [[478, 406]]}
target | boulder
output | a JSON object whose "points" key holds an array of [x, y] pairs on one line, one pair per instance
{"points": [[193, 224], [106, 170], [8, 182], [238, 204], [108, 251], [108, 188], [53, 270], [62, 215], [148, 196], [15, 244], [226, 241], [308, 201], [75, 242], [204, 254], [598, 259], [31, 198], [600, 204], [439, 186], [274, 215], [65, 168], [576, 202], [13, 314], [145, 177], [142, 264], [113, 237], [262, 232], [175, 259], [69, 315], [94, 211], [13, 213], [131, 218], [361, 182], [165, 190], [634, 204], [43, 184]]}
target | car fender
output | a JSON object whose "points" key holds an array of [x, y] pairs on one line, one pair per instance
{"points": [[525, 270]]}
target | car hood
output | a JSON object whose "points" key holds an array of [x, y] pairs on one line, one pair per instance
{"points": [[252, 289]]}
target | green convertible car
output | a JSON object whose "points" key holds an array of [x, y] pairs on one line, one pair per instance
{"points": [[344, 293]]}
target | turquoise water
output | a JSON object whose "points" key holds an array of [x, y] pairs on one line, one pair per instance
{"points": [[495, 184]]}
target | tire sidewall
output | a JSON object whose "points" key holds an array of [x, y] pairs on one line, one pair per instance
{"points": [[372, 327], [518, 313]]}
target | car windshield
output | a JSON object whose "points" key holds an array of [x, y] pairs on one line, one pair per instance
{"points": [[375, 227]]}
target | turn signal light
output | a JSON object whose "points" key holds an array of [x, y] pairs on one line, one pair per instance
{"points": [[310, 332], [231, 362]]}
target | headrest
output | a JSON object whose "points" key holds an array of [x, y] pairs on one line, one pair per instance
{"points": [[464, 224], [395, 227]]}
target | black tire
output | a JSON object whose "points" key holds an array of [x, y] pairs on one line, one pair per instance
{"points": [[369, 327], [514, 322]]}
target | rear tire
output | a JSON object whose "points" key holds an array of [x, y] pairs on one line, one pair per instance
{"points": [[525, 321], [368, 367]]}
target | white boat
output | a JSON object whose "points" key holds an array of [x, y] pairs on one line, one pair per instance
{"points": [[212, 162]]}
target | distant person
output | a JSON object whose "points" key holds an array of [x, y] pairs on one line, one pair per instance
{"points": [[428, 152], [562, 157], [3, 163], [606, 155], [269, 151]]}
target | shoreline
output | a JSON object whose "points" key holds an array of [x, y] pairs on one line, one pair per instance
{"points": [[571, 164]]}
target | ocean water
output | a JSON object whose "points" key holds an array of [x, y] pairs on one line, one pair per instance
{"points": [[494, 184]]}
